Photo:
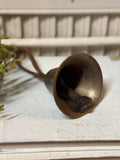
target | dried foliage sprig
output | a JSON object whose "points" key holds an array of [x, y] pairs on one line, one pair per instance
{"points": [[7, 56], [1, 107]]}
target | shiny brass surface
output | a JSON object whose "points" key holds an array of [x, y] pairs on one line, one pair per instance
{"points": [[81, 73]]}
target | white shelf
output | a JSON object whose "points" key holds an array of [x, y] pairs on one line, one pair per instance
{"points": [[32, 126]]}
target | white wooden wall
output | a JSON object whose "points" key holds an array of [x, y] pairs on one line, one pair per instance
{"points": [[72, 24]]}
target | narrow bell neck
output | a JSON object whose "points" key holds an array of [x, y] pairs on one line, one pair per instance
{"points": [[49, 79]]}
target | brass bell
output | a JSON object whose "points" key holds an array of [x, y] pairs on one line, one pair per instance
{"points": [[76, 85], [82, 74]]}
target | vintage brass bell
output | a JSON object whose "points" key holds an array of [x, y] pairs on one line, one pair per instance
{"points": [[81, 73], [76, 85]]}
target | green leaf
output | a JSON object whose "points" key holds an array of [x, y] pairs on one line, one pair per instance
{"points": [[5, 37], [7, 55], [2, 64], [2, 70]]}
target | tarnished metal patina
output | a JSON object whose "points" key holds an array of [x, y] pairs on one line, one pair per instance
{"points": [[76, 85], [81, 73]]}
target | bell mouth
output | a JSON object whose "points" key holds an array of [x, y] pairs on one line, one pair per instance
{"points": [[81, 73]]}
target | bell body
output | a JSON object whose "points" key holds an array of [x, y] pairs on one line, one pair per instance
{"points": [[81, 73], [49, 80]]}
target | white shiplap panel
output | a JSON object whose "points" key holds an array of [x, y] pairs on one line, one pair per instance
{"points": [[98, 28], [31, 30], [49, 51], [81, 26], [81, 49], [47, 30], [30, 26], [64, 29], [114, 25], [114, 30], [99, 25], [97, 50], [13, 26], [35, 33], [81, 29], [63, 51], [35, 51], [1, 26], [64, 26], [47, 26], [113, 51]]}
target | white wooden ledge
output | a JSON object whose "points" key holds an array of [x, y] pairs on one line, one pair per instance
{"points": [[101, 11], [64, 42], [32, 126]]}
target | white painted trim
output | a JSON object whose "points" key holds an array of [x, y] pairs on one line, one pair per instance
{"points": [[64, 42], [58, 11], [57, 4], [60, 155], [59, 146], [57, 150]]}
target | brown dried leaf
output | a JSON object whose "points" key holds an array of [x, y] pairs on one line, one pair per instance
{"points": [[12, 65], [19, 59], [1, 107]]}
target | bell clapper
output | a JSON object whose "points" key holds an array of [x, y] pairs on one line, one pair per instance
{"points": [[82, 103]]}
